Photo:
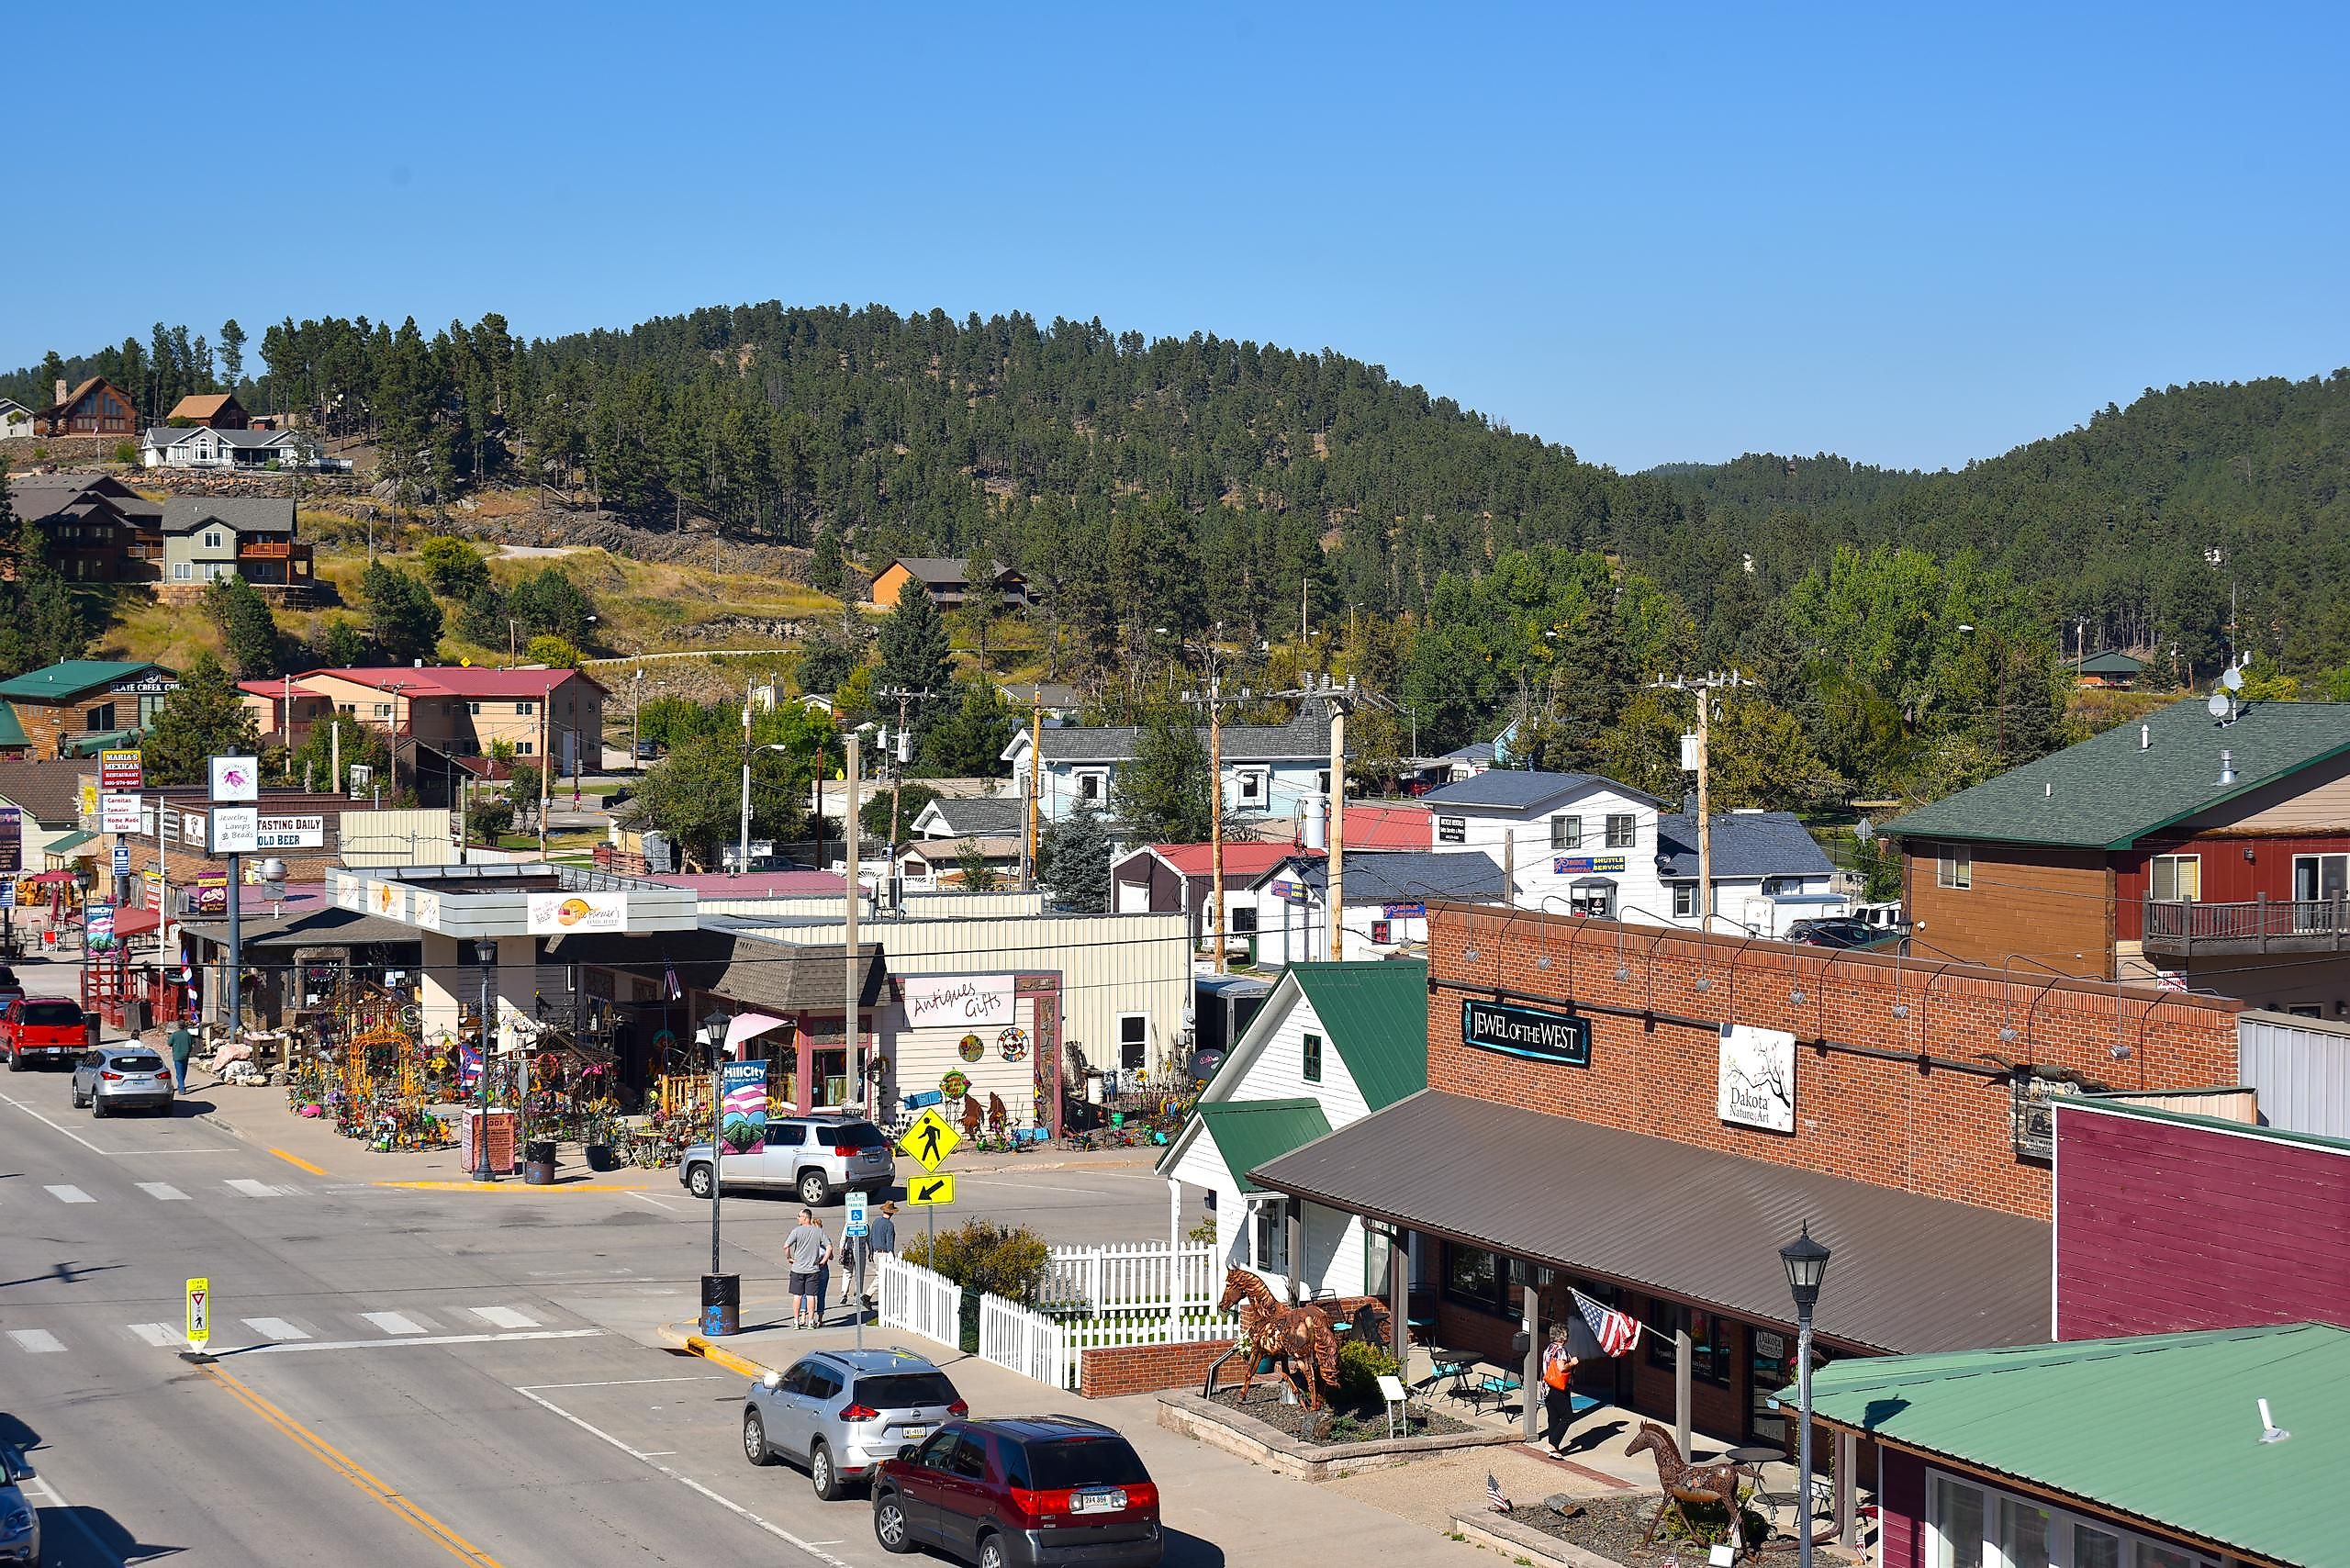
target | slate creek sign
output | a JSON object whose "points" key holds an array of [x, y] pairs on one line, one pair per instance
{"points": [[1527, 1031]]}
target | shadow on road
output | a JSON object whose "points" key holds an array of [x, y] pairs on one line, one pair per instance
{"points": [[61, 1273], [1184, 1551], [94, 1527]]}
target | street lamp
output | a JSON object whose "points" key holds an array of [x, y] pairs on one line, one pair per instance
{"points": [[1807, 1265], [721, 1294], [485, 955]]}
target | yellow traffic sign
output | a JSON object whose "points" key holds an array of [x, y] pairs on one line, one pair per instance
{"points": [[931, 1139], [199, 1314], [927, 1190]]}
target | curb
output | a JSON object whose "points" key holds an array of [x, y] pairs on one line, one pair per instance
{"points": [[677, 1338], [1522, 1541], [503, 1186]]}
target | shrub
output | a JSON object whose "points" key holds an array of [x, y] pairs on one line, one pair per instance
{"points": [[979, 1255], [1360, 1366], [125, 452]]}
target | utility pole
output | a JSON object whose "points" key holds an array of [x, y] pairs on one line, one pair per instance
{"points": [[1035, 772], [743, 847], [1341, 700], [1213, 699], [854, 1055], [902, 754], [1705, 686]]}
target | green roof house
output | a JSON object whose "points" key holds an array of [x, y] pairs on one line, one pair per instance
{"points": [[1331, 1044], [2162, 1450], [76, 707], [2205, 851]]}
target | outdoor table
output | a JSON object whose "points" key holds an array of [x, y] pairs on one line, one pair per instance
{"points": [[1756, 1453]]}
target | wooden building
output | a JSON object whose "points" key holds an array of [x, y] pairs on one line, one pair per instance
{"points": [[218, 410], [946, 580], [96, 407]]}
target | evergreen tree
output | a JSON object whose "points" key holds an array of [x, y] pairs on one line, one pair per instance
{"points": [[484, 620], [824, 572], [1073, 862], [915, 656], [825, 661], [1162, 795], [54, 621], [548, 601], [362, 745], [255, 651], [205, 718], [968, 738], [453, 568], [402, 619], [232, 352]]}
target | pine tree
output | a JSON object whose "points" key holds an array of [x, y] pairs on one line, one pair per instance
{"points": [[206, 717], [825, 573], [402, 615], [1073, 862], [255, 650], [1162, 795], [916, 656], [232, 352]]}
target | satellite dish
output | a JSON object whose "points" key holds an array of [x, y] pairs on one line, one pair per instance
{"points": [[2219, 706], [2232, 679]]}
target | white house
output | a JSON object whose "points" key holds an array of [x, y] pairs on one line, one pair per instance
{"points": [[1269, 771], [1285, 910], [1333, 1043], [201, 446], [1570, 841], [1768, 872], [16, 419]]}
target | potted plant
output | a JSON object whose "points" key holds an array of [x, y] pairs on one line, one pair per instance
{"points": [[597, 1131]]}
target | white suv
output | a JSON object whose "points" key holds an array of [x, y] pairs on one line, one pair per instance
{"points": [[815, 1157]]}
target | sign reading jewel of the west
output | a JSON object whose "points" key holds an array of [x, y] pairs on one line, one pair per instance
{"points": [[1532, 1032]]}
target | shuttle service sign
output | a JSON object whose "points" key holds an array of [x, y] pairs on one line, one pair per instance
{"points": [[1531, 1033]]}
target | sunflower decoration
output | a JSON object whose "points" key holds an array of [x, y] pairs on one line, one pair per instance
{"points": [[1012, 1043], [954, 1086]]}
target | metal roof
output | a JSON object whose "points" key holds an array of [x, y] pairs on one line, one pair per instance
{"points": [[1376, 1014], [69, 678], [1402, 876], [1912, 1272], [1247, 1133], [1521, 789], [2109, 661], [2099, 1420], [2110, 789], [750, 968], [1746, 844]]}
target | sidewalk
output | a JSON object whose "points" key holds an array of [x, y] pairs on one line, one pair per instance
{"points": [[1236, 1514], [259, 1116]]}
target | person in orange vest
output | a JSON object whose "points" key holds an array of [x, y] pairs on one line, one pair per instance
{"points": [[1559, 1365]]}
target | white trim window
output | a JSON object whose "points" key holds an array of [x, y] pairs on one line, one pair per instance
{"points": [[1969, 1526], [1092, 786], [181, 572], [1684, 900], [2175, 879], [1251, 788], [1566, 832], [1623, 831], [1955, 866], [1134, 1041], [1269, 1237]]}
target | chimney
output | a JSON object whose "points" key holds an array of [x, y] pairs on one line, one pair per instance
{"points": [[61, 391], [2227, 767], [2146, 737]]}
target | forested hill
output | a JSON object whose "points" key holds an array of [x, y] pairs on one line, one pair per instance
{"points": [[2114, 524]]}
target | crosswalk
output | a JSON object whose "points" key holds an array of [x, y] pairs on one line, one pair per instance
{"points": [[165, 1193], [328, 1331]]}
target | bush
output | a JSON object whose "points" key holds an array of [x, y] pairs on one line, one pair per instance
{"points": [[125, 452], [1360, 1366], [1002, 1259]]}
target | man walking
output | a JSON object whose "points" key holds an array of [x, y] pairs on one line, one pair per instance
{"points": [[182, 1044], [806, 1251], [880, 1241]]}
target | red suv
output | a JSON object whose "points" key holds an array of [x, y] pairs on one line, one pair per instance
{"points": [[1021, 1492], [38, 1029]]}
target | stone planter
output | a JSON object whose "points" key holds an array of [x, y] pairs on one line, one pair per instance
{"points": [[1221, 1426]]}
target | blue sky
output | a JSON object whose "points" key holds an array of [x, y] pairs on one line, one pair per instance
{"points": [[1649, 233]]}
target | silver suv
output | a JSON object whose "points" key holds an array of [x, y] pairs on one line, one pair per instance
{"points": [[122, 1078], [814, 1157], [840, 1413]]}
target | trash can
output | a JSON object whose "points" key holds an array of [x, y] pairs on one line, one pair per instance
{"points": [[538, 1162], [722, 1303]]}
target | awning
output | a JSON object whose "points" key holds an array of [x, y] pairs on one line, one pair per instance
{"points": [[135, 922], [47, 878], [90, 746], [70, 842], [1693, 1225]]}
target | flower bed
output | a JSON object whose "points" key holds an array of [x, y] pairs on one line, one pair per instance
{"points": [[1338, 1421], [1606, 1529], [1219, 1423]]}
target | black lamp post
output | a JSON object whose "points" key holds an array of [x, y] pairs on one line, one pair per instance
{"points": [[721, 1292], [485, 954], [1807, 1265]]}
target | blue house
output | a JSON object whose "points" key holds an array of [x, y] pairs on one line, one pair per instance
{"points": [[1269, 771]]}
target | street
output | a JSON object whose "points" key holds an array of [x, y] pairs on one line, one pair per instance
{"points": [[404, 1374]]}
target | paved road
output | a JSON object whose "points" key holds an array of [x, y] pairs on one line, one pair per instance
{"points": [[405, 1376]]}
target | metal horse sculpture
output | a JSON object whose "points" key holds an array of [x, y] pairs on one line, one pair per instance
{"points": [[1713, 1484], [1298, 1337]]}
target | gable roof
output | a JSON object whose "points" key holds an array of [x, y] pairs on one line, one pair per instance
{"points": [[945, 571], [12, 730], [1466, 876], [1389, 827], [1376, 1014], [242, 514], [2109, 661], [1746, 844], [1242, 860], [2097, 1420], [972, 815], [455, 680], [83, 391], [36, 496], [1511, 789], [1304, 737], [1247, 1133], [2108, 791], [49, 792], [64, 681], [1056, 694], [250, 440], [204, 407]]}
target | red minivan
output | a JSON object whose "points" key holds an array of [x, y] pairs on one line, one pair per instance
{"points": [[1022, 1492]]}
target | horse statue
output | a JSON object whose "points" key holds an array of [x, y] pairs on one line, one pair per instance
{"points": [[1298, 1337], [1715, 1485]]}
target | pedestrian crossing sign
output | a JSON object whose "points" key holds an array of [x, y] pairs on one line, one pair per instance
{"points": [[923, 1190], [931, 1139], [199, 1314]]}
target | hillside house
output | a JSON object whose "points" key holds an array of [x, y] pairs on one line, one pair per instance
{"points": [[946, 580], [2209, 855], [98, 528], [218, 410], [438, 714], [78, 707], [204, 446], [1269, 771], [220, 536], [95, 407], [2106, 668], [16, 419]]}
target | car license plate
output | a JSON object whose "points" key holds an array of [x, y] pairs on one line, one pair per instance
{"points": [[1097, 1502], [913, 1434]]}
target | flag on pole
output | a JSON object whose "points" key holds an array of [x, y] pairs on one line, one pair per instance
{"points": [[669, 975], [1494, 1498], [1618, 1331]]}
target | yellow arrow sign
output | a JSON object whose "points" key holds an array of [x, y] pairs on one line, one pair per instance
{"points": [[199, 1314], [931, 1139], [927, 1190]]}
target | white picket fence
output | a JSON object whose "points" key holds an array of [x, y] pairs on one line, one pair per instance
{"points": [[1027, 1342], [1130, 1274], [921, 1302]]}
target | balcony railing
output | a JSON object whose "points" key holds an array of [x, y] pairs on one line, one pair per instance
{"points": [[2264, 925], [274, 548]]}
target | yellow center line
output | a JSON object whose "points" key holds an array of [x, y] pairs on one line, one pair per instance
{"points": [[349, 1469], [298, 1161]]}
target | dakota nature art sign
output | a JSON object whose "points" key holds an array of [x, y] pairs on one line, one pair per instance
{"points": [[1532, 1032], [1757, 1084]]}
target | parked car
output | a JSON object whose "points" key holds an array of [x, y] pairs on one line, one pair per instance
{"points": [[648, 751], [122, 1078], [817, 1156], [19, 1521], [1021, 1492], [1839, 931], [37, 1030], [841, 1413], [11, 987]]}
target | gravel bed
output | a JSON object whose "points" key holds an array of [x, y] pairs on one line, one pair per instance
{"points": [[1612, 1527], [1339, 1421]]}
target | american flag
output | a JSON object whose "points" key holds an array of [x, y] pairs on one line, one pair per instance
{"points": [[1618, 1331], [1494, 1498], [669, 974]]}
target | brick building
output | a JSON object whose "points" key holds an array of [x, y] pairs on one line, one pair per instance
{"points": [[2206, 853], [1645, 1114]]}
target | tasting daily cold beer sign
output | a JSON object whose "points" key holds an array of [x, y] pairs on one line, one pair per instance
{"points": [[1533, 1034]]}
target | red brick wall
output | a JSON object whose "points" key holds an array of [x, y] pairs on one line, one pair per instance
{"points": [[1144, 1369], [1897, 1122], [2162, 1226]]}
